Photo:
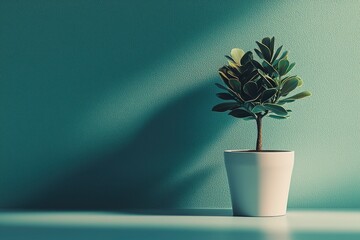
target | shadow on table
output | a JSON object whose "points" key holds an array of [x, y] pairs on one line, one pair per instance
{"points": [[104, 233], [182, 212], [92, 233]]}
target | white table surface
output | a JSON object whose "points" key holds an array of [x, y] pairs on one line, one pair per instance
{"points": [[182, 224]]}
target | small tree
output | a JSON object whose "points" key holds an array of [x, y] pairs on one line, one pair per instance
{"points": [[255, 89]]}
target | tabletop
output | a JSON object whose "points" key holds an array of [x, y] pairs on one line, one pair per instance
{"points": [[180, 224]]}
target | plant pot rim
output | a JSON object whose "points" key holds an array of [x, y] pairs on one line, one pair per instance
{"points": [[242, 151]]}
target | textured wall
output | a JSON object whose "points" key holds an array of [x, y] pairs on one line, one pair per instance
{"points": [[106, 104]]}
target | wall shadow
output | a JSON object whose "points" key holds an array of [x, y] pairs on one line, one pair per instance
{"points": [[223, 212], [140, 174], [121, 232], [61, 59]]}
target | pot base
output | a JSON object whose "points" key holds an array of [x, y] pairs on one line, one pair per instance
{"points": [[259, 181]]}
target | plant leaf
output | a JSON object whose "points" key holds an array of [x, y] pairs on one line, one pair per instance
{"points": [[298, 96], [270, 68], [240, 113], [237, 54], [267, 80], [289, 85], [283, 66], [230, 59], [246, 67], [258, 109], [282, 102], [278, 117], [225, 96], [248, 56], [224, 78], [291, 66], [284, 55], [235, 84], [252, 99], [266, 41], [277, 109], [222, 107], [286, 78], [300, 81], [268, 93], [250, 88], [249, 76], [276, 54], [257, 65], [264, 50], [232, 74], [259, 53], [272, 44], [220, 86], [248, 118]]}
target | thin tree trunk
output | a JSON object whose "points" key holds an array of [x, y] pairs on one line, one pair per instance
{"points": [[259, 134]]}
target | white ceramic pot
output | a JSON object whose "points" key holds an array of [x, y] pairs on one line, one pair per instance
{"points": [[259, 181]]}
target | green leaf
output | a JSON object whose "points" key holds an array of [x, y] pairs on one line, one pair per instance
{"points": [[224, 77], [272, 44], [233, 68], [259, 53], [272, 82], [246, 67], [278, 117], [240, 113], [220, 86], [265, 51], [268, 93], [267, 80], [230, 59], [248, 56], [250, 88], [232, 74], [286, 78], [276, 54], [249, 118], [298, 96], [235, 84], [258, 109], [290, 67], [257, 65], [249, 76], [225, 96], [283, 66], [284, 55], [252, 99], [282, 102], [222, 107], [289, 85], [270, 68], [266, 41], [277, 109]]}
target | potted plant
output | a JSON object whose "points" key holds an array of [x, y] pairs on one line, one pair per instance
{"points": [[259, 180]]}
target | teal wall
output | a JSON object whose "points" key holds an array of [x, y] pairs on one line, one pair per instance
{"points": [[106, 104]]}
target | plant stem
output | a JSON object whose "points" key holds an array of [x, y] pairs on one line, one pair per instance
{"points": [[259, 134]]}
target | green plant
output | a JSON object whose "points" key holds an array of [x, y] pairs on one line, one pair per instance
{"points": [[258, 88]]}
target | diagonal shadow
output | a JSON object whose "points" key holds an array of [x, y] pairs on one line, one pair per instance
{"points": [[140, 174], [62, 49]]}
